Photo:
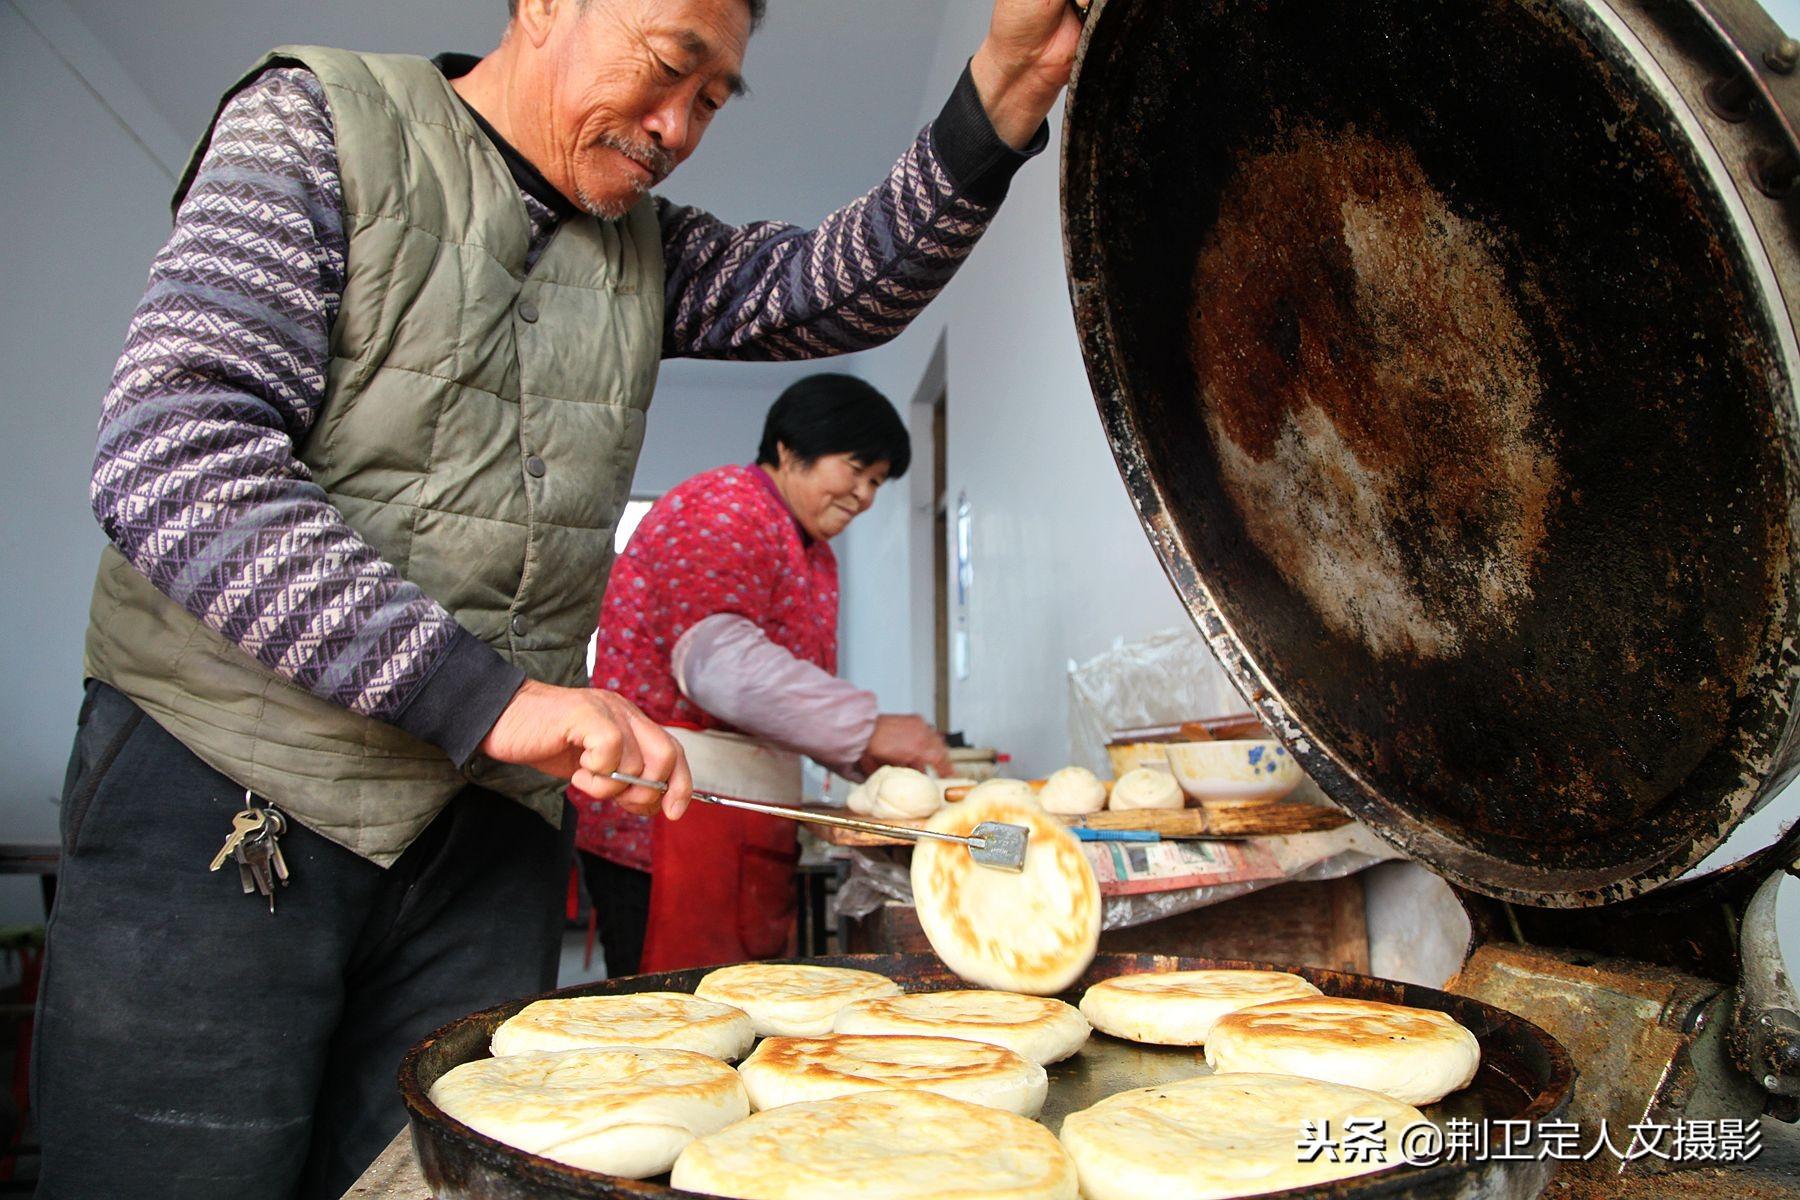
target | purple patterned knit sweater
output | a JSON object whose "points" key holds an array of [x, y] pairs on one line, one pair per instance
{"points": [[223, 373]]}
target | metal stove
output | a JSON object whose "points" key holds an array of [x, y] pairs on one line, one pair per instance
{"points": [[1447, 350]]}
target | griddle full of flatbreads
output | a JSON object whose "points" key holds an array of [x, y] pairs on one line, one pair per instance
{"points": [[1033, 1027], [621, 1111], [796, 1070], [792, 999], [666, 1020], [1417, 1055], [882, 1145], [1033, 930], [1218, 1136], [1178, 1008]]}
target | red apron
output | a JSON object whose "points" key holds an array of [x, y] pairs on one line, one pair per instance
{"points": [[721, 889], [722, 885]]}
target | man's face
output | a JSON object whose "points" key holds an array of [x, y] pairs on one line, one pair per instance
{"points": [[633, 85]]}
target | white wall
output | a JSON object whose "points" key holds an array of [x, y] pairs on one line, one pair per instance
{"points": [[84, 202], [1062, 567], [706, 415]]}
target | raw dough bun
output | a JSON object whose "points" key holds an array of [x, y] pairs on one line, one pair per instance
{"points": [[793, 1070], [1417, 1055], [670, 1020], [1178, 1008], [1033, 930], [624, 1112], [862, 796], [1072, 792], [1217, 1136], [893, 793], [1146, 787], [1033, 1027], [880, 1146], [792, 999]]}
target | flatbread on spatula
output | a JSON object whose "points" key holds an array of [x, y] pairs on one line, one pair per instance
{"points": [[1033, 930]]}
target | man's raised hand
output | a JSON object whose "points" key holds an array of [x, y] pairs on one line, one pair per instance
{"points": [[583, 735]]}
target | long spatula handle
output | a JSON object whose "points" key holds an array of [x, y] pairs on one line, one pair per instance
{"points": [[816, 818]]}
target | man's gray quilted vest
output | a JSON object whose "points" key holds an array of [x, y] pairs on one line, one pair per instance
{"points": [[452, 366]]}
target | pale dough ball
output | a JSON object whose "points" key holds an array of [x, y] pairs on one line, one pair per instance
{"points": [[1147, 787], [862, 797], [1012, 790], [896, 793], [1073, 792], [904, 792]]}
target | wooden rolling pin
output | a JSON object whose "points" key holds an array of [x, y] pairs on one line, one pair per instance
{"points": [[961, 791]]}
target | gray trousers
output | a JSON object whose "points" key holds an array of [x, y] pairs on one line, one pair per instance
{"points": [[189, 1044]]}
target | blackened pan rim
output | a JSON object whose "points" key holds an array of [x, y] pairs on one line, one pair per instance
{"points": [[1438, 845]]}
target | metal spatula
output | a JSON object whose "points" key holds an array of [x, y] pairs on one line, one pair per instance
{"points": [[991, 843]]}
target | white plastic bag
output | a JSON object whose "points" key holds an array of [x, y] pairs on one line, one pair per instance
{"points": [[1169, 677]]}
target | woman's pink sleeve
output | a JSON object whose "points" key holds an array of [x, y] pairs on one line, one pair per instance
{"points": [[730, 669]]}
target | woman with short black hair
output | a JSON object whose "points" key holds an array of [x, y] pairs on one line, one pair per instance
{"points": [[720, 622]]}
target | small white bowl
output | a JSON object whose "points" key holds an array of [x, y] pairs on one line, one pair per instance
{"points": [[1247, 770]]}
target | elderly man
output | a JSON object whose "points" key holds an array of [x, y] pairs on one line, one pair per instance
{"points": [[360, 465]]}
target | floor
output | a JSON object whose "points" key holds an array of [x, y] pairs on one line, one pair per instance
{"points": [[572, 971]]}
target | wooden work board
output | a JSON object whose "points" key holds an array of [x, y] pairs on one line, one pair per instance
{"points": [[1213, 819]]}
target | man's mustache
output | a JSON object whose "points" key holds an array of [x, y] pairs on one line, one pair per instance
{"points": [[659, 161]]}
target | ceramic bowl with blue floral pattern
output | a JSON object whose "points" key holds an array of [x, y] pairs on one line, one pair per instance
{"points": [[1242, 770]]}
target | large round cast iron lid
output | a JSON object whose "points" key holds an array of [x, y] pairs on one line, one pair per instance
{"points": [[1452, 385]]}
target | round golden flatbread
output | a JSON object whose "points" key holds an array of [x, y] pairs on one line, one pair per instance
{"points": [[1417, 1055], [1177, 1008], [1033, 1027], [1028, 931], [798, 1070], [791, 999], [668, 1020], [1217, 1136], [887, 1145], [621, 1111]]}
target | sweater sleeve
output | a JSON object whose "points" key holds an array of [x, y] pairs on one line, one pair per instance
{"points": [[773, 291], [731, 669], [196, 480]]}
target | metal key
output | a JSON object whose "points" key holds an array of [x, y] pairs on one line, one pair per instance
{"points": [[242, 826], [260, 853]]}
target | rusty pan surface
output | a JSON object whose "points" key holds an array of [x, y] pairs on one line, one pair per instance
{"points": [[1443, 352], [1524, 1075]]}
